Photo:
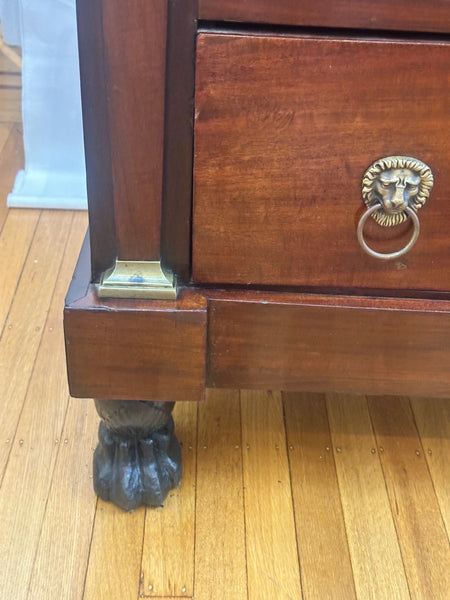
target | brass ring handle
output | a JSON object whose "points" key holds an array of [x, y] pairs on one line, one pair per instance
{"points": [[387, 256]]}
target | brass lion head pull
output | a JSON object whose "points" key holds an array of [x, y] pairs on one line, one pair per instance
{"points": [[394, 188]]}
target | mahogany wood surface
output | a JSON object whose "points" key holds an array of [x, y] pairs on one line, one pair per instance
{"points": [[133, 349], [96, 135], [419, 15], [137, 76], [143, 351], [276, 341], [130, 349], [178, 138], [286, 126], [135, 64]]}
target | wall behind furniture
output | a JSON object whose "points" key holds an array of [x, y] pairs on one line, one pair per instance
{"points": [[54, 174]]}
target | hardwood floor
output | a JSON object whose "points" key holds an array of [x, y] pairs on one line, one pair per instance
{"points": [[284, 496], [10, 82]]}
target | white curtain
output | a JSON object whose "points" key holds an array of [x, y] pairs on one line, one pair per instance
{"points": [[54, 174], [10, 20]]}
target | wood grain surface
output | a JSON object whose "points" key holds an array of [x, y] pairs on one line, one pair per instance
{"points": [[323, 549], [286, 126], [65, 536], [167, 565], [94, 95], [140, 351], [421, 15], [220, 534], [26, 320], [432, 418], [30, 403], [11, 161], [296, 346], [178, 138], [10, 84], [414, 505], [135, 64], [369, 523], [63, 544], [15, 242], [137, 80], [272, 558], [105, 577]]}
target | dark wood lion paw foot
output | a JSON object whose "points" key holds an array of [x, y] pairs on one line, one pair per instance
{"points": [[138, 458]]}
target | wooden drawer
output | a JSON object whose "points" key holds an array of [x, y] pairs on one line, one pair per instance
{"points": [[285, 129], [399, 15]]}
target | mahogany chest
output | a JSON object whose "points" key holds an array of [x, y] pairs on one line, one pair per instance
{"points": [[268, 197]]}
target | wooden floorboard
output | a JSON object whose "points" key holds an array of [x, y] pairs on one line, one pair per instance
{"points": [[375, 552], [432, 417], [15, 243], [10, 84], [220, 551], [26, 320], [59, 569], [272, 553], [284, 496], [321, 534], [34, 445], [167, 566], [422, 536], [11, 160]]}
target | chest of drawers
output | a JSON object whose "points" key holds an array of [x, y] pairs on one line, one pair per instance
{"points": [[236, 156]]}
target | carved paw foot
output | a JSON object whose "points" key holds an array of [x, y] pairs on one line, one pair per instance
{"points": [[138, 458]]}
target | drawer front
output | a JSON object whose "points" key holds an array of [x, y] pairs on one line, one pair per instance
{"points": [[294, 342], [285, 129], [400, 15]]}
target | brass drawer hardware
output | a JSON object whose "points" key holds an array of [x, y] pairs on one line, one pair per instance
{"points": [[394, 188]]}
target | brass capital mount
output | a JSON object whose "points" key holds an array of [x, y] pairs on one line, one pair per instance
{"points": [[138, 279]]}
